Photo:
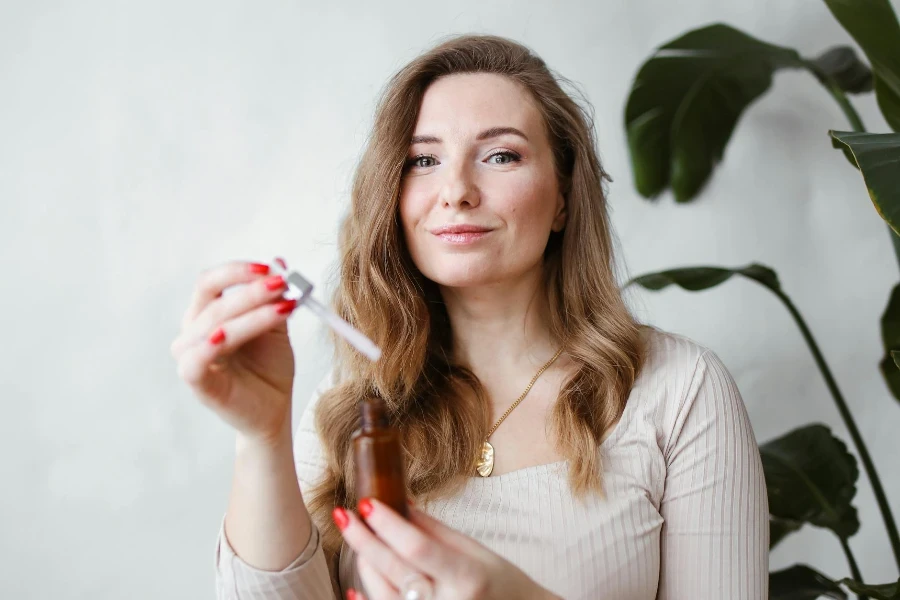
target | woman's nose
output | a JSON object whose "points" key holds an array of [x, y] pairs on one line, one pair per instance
{"points": [[459, 188]]}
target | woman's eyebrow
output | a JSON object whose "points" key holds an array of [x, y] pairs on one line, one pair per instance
{"points": [[484, 135], [498, 131]]}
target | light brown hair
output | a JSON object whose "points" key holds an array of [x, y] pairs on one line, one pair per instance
{"points": [[382, 293]]}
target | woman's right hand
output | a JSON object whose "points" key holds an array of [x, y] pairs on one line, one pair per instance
{"points": [[233, 349]]}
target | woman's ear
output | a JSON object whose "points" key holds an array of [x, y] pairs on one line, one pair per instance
{"points": [[559, 221]]}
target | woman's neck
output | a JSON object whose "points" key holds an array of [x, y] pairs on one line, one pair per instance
{"points": [[501, 329]]}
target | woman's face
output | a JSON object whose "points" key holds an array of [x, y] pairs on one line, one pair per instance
{"points": [[479, 195]]}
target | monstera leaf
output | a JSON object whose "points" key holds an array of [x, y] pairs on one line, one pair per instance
{"points": [[695, 279], [685, 102], [890, 336], [811, 478], [802, 583], [878, 157], [873, 24], [885, 591]]}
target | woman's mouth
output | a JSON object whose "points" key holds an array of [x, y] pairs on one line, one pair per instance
{"points": [[463, 238], [461, 234]]}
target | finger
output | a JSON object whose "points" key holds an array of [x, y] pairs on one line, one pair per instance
{"points": [[424, 552], [376, 586], [194, 362], [374, 551], [213, 282], [217, 312], [194, 367]]}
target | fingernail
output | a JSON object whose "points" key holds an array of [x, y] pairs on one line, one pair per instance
{"points": [[275, 282], [340, 518], [217, 337], [281, 262], [351, 594], [259, 268], [285, 306], [365, 507]]}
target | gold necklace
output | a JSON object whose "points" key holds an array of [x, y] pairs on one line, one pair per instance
{"points": [[484, 464]]}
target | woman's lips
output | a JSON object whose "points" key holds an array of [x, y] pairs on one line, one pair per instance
{"points": [[462, 238]]}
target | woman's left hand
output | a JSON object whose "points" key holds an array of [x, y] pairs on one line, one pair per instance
{"points": [[454, 566]]}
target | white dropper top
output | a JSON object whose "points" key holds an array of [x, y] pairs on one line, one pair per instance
{"points": [[300, 289]]}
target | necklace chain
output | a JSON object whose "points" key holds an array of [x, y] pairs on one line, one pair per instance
{"points": [[525, 393]]}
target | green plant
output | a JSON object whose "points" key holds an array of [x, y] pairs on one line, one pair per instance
{"points": [[810, 475], [684, 104]]}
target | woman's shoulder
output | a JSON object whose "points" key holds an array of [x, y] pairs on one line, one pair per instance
{"points": [[668, 353], [676, 370]]}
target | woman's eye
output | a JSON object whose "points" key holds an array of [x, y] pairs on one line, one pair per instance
{"points": [[503, 158], [422, 161]]}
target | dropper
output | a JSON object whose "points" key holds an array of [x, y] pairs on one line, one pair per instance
{"points": [[300, 289]]}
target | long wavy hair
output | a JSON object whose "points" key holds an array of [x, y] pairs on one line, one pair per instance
{"points": [[433, 402]]}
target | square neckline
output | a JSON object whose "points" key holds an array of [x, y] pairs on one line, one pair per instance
{"points": [[544, 468]]}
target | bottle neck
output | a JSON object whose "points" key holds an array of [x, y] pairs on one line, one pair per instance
{"points": [[373, 415]]}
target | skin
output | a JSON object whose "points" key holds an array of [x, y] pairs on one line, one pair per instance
{"points": [[459, 171]]}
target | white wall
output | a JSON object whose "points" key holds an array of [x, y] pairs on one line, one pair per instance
{"points": [[143, 142]]}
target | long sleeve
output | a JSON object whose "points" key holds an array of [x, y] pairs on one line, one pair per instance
{"points": [[716, 530], [307, 577]]}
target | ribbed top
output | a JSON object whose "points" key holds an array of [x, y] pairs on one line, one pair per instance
{"points": [[684, 514]]}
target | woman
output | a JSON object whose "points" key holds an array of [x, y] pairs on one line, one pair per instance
{"points": [[477, 254]]}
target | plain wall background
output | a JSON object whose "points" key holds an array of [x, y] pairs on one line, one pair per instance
{"points": [[143, 142]]}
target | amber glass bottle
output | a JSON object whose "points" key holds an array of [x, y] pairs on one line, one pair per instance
{"points": [[378, 457]]}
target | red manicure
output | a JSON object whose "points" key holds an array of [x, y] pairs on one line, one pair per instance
{"points": [[259, 268], [365, 507], [275, 282], [217, 337], [285, 306], [351, 594], [340, 518]]}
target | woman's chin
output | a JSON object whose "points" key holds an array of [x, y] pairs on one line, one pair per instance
{"points": [[455, 278]]}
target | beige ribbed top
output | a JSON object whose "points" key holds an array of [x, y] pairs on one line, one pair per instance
{"points": [[685, 516]]}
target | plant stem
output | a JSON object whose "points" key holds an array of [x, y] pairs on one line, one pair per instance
{"points": [[895, 240], [864, 456], [838, 94], [854, 568]]}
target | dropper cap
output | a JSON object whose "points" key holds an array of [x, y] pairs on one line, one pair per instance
{"points": [[300, 289]]}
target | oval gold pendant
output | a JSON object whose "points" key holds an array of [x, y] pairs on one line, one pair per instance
{"points": [[485, 463]]}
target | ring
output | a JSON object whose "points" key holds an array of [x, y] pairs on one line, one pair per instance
{"points": [[416, 587]]}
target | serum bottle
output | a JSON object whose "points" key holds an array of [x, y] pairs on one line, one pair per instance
{"points": [[378, 457]]}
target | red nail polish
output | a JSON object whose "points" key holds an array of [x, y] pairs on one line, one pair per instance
{"points": [[217, 337], [365, 507], [351, 594], [259, 268], [281, 263], [275, 282], [340, 518], [285, 306]]}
